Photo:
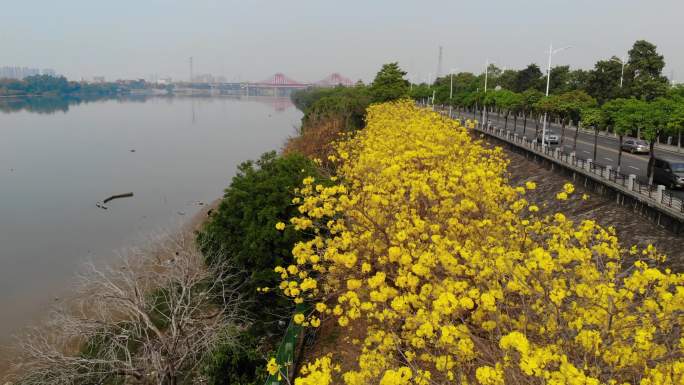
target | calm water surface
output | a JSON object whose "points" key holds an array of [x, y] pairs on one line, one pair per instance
{"points": [[56, 163]]}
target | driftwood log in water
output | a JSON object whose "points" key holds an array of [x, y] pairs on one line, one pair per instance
{"points": [[126, 195], [117, 196]]}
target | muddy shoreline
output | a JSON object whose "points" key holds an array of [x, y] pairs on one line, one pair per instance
{"points": [[187, 231]]}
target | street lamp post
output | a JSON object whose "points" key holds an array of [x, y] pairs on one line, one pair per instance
{"points": [[451, 88], [548, 83], [623, 61], [484, 106]]}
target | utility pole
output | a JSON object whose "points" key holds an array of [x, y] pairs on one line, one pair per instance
{"points": [[439, 63]]}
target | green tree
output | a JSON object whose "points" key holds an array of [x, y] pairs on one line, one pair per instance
{"points": [[530, 98], [507, 79], [657, 118], [571, 105], [488, 102], [441, 86], [509, 102], [676, 91], [389, 84], [559, 82], [346, 104], [240, 363], [593, 117], [578, 79], [643, 73], [676, 120], [241, 231], [530, 77], [550, 106], [493, 73], [420, 91], [603, 82], [624, 116]]}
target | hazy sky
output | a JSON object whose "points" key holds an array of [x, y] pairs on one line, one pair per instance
{"points": [[308, 39]]}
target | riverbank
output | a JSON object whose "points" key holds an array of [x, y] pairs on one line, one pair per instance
{"points": [[186, 151], [186, 233]]}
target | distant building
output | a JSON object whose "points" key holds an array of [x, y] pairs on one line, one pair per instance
{"points": [[204, 78], [10, 72], [98, 79]]}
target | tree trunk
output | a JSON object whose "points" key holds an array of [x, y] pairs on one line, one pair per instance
{"points": [[536, 128], [506, 121], [679, 140], [524, 122], [515, 122], [577, 128], [619, 152], [562, 140]]}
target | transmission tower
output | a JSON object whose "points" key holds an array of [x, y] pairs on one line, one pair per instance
{"points": [[439, 63], [191, 74]]}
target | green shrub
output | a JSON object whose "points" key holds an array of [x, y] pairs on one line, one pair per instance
{"points": [[243, 364], [241, 233]]}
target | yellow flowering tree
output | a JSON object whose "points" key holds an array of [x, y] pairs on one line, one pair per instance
{"points": [[457, 278]]}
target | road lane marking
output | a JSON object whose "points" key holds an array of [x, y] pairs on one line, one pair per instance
{"points": [[636, 168], [586, 152], [608, 159]]}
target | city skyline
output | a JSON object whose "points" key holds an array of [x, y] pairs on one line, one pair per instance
{"points": [[18, 72]]}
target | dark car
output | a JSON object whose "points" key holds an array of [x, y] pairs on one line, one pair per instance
{"points": [[669, 173], [635, 146]]}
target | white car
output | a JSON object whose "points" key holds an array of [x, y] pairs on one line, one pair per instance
{"points": [[550, 138]]}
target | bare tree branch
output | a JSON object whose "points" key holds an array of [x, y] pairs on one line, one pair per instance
{"points": [[149, 319]]}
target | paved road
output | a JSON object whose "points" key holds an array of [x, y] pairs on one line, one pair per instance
{"points": [[606, 151]]}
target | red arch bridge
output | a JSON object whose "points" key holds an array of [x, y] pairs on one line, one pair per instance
{"points": [[280, 80]]}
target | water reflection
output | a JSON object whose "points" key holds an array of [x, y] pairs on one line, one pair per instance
{"points": [[52, 105], [59, 157]]}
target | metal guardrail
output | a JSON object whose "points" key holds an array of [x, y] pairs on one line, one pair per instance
{"points": [[657, 195], [672, 202]]}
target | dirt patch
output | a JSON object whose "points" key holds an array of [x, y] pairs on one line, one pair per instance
{"points": [[333, 339], [631, 228]]}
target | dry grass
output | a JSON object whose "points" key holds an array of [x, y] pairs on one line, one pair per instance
{"points": [[316, 141]]}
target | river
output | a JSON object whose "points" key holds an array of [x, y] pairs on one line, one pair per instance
{"points": [[59, 158]]}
